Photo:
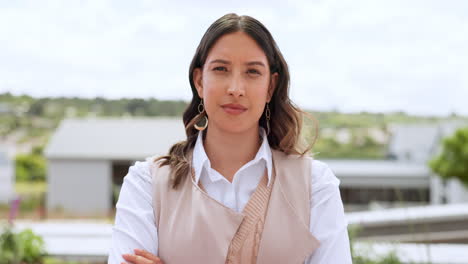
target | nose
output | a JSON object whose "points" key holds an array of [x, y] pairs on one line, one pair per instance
{"points": [[236, 87]]}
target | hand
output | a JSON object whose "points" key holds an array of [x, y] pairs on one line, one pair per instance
{"points": [[141, 257]]}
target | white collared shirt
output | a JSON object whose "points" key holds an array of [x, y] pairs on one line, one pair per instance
{"points": [[134, 222], [234, 195]]}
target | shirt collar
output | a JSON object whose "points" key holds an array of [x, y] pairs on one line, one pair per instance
{"points": [[200, 160]]}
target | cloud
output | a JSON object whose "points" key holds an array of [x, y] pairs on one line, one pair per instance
{"points": [[345, 55]]}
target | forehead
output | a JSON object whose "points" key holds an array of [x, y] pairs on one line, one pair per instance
{"points": [[237, 46]]}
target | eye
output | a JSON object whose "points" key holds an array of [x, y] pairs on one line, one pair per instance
{"points": [[220, 68], [253, 71]]}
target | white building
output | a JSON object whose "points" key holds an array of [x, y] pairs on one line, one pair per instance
{"points": [[7, 177], [404, 179], [385, 183], [88, 158]]}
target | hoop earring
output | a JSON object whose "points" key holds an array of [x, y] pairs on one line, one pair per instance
{"points": [[202, 122], [267, 116]]}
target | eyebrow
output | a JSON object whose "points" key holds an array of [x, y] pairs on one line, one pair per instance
{"points": [[228, 62]]}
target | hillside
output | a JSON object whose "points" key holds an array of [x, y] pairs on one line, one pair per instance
{"points": [[28, 122]]}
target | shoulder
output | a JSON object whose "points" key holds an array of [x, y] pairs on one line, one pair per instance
{"points": [[136, 188], [140, 183], [322, 175], [143, 170], [139, 171], [155, 167], [319, 171], [158, 173], [291, 160]]}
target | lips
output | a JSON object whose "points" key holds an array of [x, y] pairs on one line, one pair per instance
{"points": [[234, 109]]}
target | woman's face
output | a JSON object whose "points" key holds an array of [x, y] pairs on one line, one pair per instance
{"points": [[235, 83]]}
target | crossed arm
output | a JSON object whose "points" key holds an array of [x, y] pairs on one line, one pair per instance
{"points": [[135, 228]]}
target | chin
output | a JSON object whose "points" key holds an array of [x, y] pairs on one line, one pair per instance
{"points": [[237, 128]]}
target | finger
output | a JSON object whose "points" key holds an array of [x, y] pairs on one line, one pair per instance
{"points": [[137, 259], [148, 255]]}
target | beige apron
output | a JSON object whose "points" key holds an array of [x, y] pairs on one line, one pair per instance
{"points": [[272, 228]]}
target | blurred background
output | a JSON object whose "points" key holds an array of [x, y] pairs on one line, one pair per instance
{"points": [[86, 85]]}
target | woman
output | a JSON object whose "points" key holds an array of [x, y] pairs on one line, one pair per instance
{"points": [[240, 189]]}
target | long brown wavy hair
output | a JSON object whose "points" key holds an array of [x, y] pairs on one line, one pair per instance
{"points": [[285, 118]]}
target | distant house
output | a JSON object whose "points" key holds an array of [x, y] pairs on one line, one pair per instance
{"points": [[405, 176], [88, 158], [6, 177], [387, 182], [414, 143]]}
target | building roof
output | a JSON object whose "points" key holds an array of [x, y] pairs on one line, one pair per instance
{"points": [[422, 224], [419, 142], [426, 213], [413, 142], [375, 168], [378, 173], [114, 138]]}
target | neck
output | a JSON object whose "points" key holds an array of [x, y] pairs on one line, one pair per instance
{"points": [[228, 152]]}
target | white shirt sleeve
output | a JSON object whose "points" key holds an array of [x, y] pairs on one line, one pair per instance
{"points": [[327, 219], [134, 220]]}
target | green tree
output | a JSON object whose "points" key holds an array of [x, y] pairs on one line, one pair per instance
{"points": [[37, 108], [452, 162], [30, 167], [22, 247]]}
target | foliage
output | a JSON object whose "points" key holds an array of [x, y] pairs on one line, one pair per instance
{"points": [[32, 120], [328, 148], [390, 258], [453, 160], [33, 246], [49, 260], [22, 247], [30, 188], [9, 247], [32, 203], [31, 167], [32, 194]]}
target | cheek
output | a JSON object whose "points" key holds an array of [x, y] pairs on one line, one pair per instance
{"points": [[211, 85], [259, 93], [211, 95], [258, 100]]}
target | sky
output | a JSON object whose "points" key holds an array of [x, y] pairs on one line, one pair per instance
{"points": [[344, 55]]}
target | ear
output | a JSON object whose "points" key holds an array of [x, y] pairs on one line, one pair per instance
{"points": [[197, 80], [272, 86]]}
